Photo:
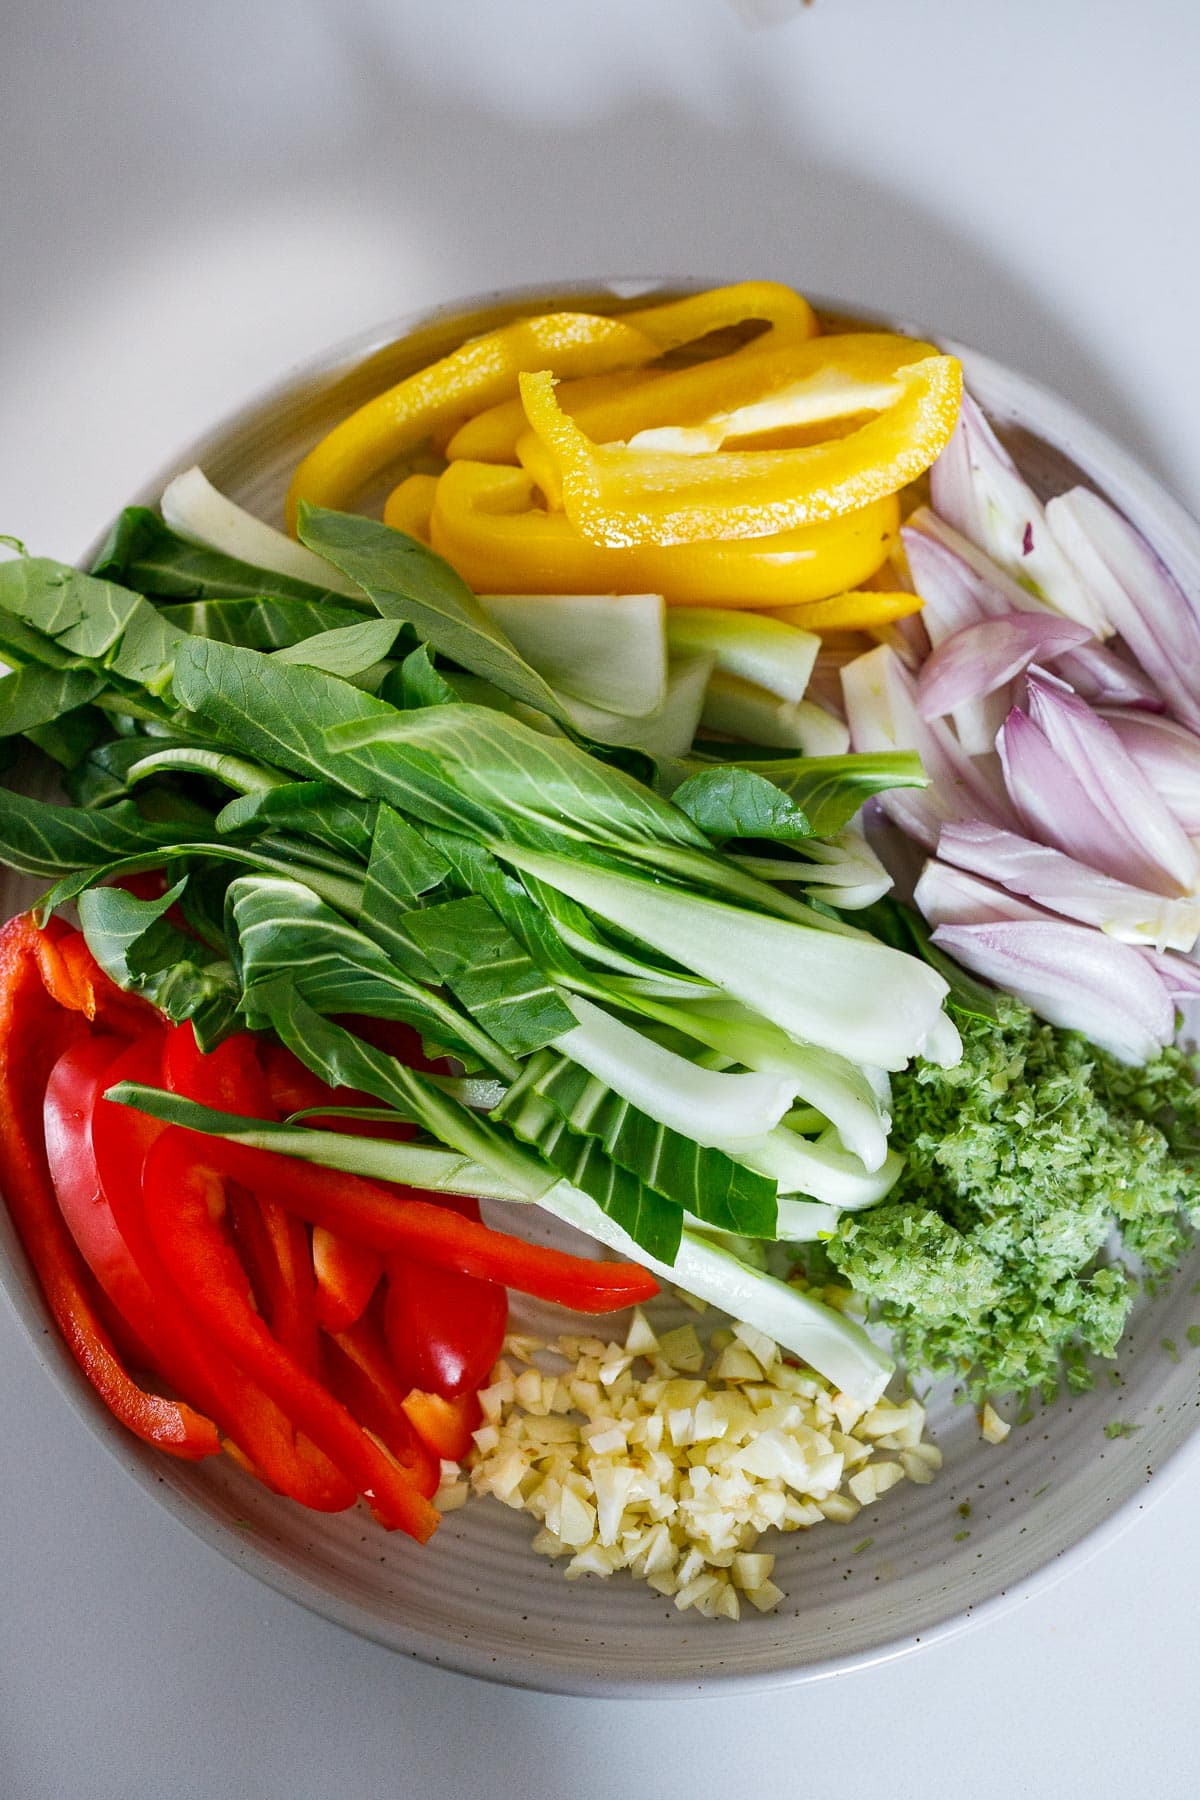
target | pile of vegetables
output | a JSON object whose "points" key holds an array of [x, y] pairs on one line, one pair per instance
{"points": [[335, 1367], [445, 900], [511, 850]]}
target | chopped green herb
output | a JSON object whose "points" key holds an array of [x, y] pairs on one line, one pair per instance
{"points": [[989, 1258], [1117, 1428]]}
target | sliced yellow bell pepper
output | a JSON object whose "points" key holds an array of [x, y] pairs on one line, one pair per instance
{"points": [[703, 407], [863, 610], [477, 375], [491, 435], [487, 523], [786, 314], [619, 496], [409, 506]]}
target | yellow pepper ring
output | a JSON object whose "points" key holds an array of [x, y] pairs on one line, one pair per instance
{"points": [[409, 506], [537, 462], [477, 375], [617, 496], [491, 435], [861, 610], [671, 323], [799, 385], [484, 371], [486, 523]]}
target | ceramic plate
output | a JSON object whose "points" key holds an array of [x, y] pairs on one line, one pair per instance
{"points": [[477, 1599]]}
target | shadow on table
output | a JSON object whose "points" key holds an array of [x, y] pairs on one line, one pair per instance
{"points": [[439, 182]]}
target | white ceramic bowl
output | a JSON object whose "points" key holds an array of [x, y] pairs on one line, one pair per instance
{"points": [[477, 1599]]}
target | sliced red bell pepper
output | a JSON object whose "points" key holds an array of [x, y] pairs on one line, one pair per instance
{"points": [[35, 1029], [77, 1082], [256, 1429], [75, 981], [423, 1228], [293, 1089], [183, 1197], [273, 1242], [444, 1330], [274, 1247], [347, 1275], [445, 1425], [229, 1078], [360, 1374]]}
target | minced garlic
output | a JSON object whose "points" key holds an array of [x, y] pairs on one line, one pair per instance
{"points": [[992, 1428], [638, 1456]]}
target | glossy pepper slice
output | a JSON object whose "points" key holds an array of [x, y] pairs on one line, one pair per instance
{"points": [[486, 521], [96, 1152], [492, 435], [444, 1330], [427, 1230], [295, 1089], [74, 980], [34, 1031], [484, 371], [445, 1425], [250, 1420], [273, 1242], [619, 496], [75, 1086], [275, 1253], [863, 610], [184, 1199], [755, 393], [478, 374], [347, 1274], [360, 1373], [785, 314], [409, 506], [230, 1077]]}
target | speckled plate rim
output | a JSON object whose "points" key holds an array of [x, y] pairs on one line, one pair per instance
{"points": [[1177, 537]]}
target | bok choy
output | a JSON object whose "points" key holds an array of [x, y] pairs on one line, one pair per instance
{"points": [[374, 807]]}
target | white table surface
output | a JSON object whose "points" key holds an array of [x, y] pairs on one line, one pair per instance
{"points": [[193, 198]]}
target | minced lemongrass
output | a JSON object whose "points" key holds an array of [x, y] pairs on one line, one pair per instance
{"points": [[669, 1459]]}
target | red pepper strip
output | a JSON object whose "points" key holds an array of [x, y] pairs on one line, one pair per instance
{"points": [[274, 1242], [445, 1425], [362, 1378], [347, 1275], [77, 1081], [291, 1283], [229, 1078], [183, 1197], [423, 1228], [256, 1429], [293, 1089], [274, 1248], [444, 1330], [75, 981], [34, 1031]]}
